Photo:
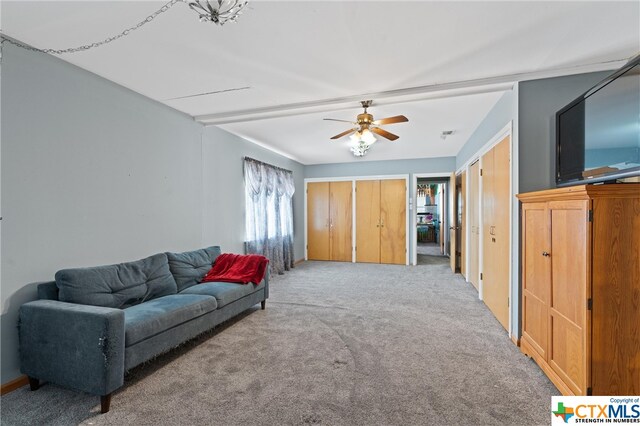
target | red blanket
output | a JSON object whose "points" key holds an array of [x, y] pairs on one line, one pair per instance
{"points": [[237, 268]]}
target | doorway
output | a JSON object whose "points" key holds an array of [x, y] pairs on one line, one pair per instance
{"points": [[430, 216]]}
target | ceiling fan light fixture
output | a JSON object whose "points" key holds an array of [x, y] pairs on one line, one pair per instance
{"points": [[360, 149], [217, 11], [362, 136], [355, 138], [361, 141], [367, 137]]}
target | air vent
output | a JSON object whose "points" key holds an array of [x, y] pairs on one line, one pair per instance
{"points": [[446, 133]]}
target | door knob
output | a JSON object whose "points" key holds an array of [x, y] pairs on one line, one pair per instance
{"points": [[545, 254]]}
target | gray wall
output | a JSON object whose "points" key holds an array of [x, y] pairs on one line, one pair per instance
{"points": [[500, 115], [504, 111], [222, 155], [374, 168], [537, 105], [93, 173]]}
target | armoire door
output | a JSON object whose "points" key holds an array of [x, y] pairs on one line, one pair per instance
{"points": [[570, 262], [496, 202], [318, 221], [368, 221], [393, 221], [536, 275], [340, 221], [473, 215]]}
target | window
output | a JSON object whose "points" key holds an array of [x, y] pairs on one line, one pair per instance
{"points": [[269, 213]]}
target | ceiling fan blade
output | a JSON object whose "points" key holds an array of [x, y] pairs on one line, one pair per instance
{"points": [[345, 133], [344, 121], [384, 133], [391, 120]]}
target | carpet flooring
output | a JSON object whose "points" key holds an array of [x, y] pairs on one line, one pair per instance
{"points": [[339, 344], [432, 249], [429, 254]]}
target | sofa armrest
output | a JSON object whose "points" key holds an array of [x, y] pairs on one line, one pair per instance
{"points": [[266, 284], [75, 346]]}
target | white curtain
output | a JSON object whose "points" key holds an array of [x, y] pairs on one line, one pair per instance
{"points": [[269, 213]]}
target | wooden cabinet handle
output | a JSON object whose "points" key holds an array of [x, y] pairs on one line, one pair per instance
{"points": [[545, 254]]}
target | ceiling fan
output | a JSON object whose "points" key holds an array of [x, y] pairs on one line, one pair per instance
{"points": [[366, 124]]}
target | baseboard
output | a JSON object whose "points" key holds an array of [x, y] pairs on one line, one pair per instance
{"points": [[14, 384], [515, 340], [297, 262]]}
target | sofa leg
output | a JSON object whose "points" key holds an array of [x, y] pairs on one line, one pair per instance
{"points": [[105, 402], [263, 304], [34, 383]]}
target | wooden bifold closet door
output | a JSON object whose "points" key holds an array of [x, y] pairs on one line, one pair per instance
{"points": [[329, 221], [368, 221], [474, 225], [496, 179], [381, 221]]}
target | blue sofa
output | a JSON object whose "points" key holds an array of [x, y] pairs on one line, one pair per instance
{"points": [[91, 325]]}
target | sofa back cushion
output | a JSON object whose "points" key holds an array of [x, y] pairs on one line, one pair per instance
{"points": [[117, 286], [190, 267]]}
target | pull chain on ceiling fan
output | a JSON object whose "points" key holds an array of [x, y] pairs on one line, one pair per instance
{"points": [[363, 136]]}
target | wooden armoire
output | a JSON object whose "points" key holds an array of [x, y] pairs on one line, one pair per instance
{"points": [[581, 287], [329, 221]]}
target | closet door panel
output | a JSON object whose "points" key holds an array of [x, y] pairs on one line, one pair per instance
{"points": [[463, 228], [502, 231], [453, 212], [340, 221], [368, 221], [393, 225], [474, 224], [318, 220], [490, 293], [496, 230]]}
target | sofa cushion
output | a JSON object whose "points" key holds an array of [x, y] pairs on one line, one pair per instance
{"points": [[117, 286], [190, 267], [155, 316], [225, 293]]}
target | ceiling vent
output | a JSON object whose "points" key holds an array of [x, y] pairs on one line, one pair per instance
{"points": [[446, 133]]}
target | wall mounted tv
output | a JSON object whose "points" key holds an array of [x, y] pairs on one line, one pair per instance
{"points": [[598, 134]]}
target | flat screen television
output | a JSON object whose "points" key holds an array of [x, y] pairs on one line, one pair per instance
{"points": [[598, 134]]}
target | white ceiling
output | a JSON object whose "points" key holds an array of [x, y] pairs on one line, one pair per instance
{"points": [[442, 64]]}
